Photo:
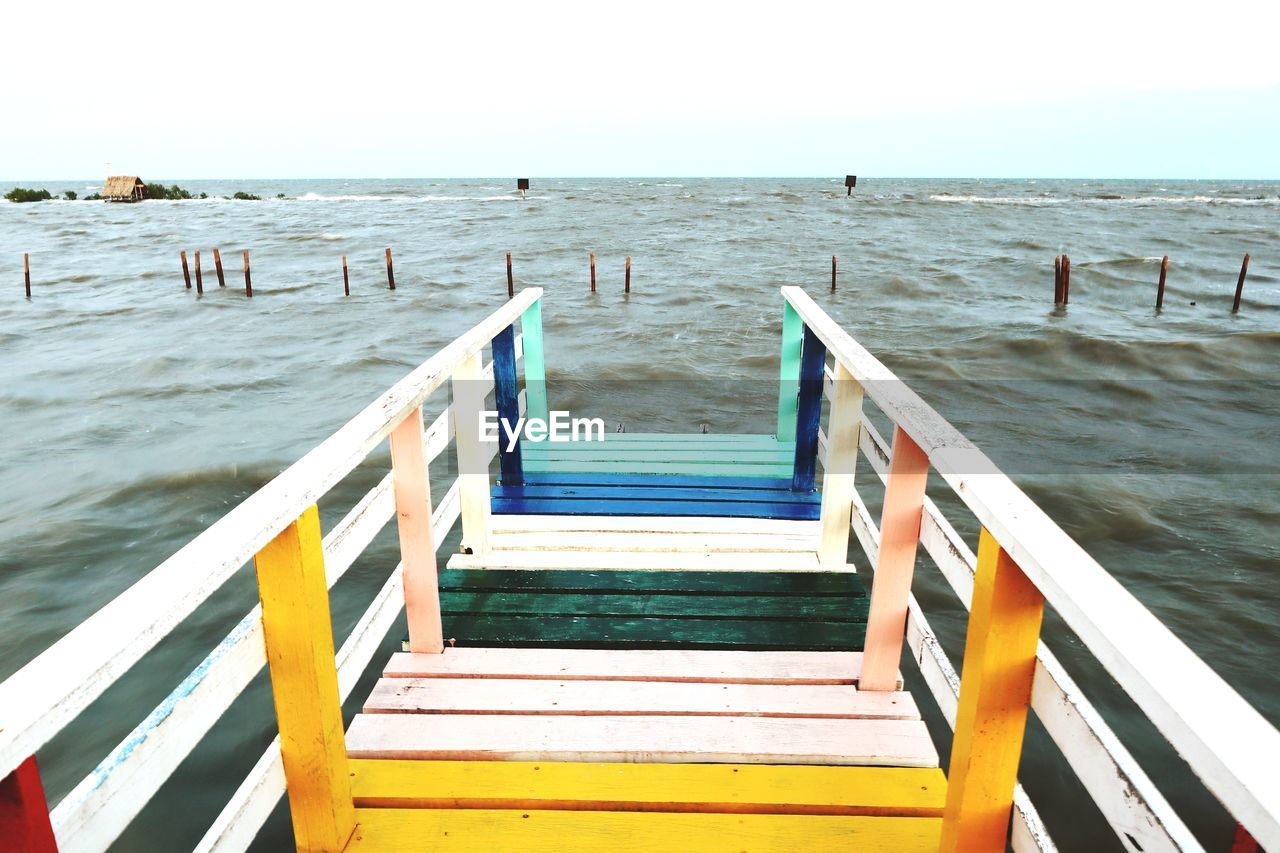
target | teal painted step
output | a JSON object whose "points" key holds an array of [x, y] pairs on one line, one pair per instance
{"points": [[762, 611], [692, 454]]}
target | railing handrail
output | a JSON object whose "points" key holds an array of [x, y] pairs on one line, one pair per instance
{"points": [[38, 700], [1227, 742]]}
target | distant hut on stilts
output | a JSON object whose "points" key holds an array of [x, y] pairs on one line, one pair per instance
{"points": [[124, 188]]}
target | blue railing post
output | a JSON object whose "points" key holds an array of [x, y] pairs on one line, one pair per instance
{"points": [[813, 357], [507, 392]]}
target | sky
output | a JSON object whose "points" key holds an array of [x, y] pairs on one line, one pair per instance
{"points": [[377, 89]]}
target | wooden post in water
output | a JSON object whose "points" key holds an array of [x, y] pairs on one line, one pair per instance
{"points": [[1244, 270], [1066, 279], [217, 264], [186, 274], [833, 273], [24, 812], [26, 272], [346, 280], [391, 276], [1164, 272], [627, 288], [593, 272], [511, 282], [248, 285], [199, 278], [1057, 279]]}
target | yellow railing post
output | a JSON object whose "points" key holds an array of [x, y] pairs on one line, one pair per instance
{"points": [[842, 460], [417, 539], [298, 636], [473, 461], [995, 690], [895, 564]]}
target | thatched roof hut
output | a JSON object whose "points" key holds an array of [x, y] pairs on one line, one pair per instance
{"points": [[124, 188]]}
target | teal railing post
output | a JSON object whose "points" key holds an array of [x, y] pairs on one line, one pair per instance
{"points": [[535, 366], [789, 375]]}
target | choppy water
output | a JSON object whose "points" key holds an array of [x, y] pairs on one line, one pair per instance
{"points": [[136, 414]]}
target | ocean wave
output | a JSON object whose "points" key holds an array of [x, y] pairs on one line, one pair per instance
{"points": [[312, 196], [1034, 201]]}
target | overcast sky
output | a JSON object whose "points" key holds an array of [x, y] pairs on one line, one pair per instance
{"points": [[374, 89]]}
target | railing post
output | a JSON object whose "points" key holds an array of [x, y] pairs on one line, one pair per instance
{"points": [[298, 636], [842, 460], [895, 564], [535, 366], [473, 461], [507, 395], [789, 374], [813, 357], [417, 539], [995, 690], [24, 813]]}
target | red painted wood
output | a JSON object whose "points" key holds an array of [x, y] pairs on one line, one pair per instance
{"points": [[1243, 842], [24, 814]]}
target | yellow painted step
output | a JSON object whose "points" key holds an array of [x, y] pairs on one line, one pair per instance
{"points": [[515, 831], [742, 788]]}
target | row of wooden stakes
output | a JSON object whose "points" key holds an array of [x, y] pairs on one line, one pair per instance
{"points": [[1062, 281], [511, 282]]}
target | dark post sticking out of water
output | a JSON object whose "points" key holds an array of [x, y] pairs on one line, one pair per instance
{"points": [[346, 280], [1244, 270], [1066, 279], [248, 284], [627, 288], [217, 264], [391, 276], [522, 184], [1057, 279], [199, 279], [511, 282], [833, 273], [850, 181], [593, 272], [26, 272], [186, 275], [1164, 272]]}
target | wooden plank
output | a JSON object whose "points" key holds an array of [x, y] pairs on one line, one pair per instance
{"points": [[808, 413], [507, 393], [718, 740], [692, 469], [839, 466], [417, 542], [24, 813], [995, 691], [664, 481], [789, 372], [640, 632], [596, 451], [632, 506], [655, 493], [473, 460], [839, 584], [639, 560], [34, 707], [680, 665], [1229, 744], [535, 366], [895, 564], [610, 540], [526, 696], [583, 786], [776, 607], [481, 831], [298, 635], [649, 524]]}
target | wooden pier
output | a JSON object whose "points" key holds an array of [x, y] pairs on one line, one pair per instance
{"points": [[648, 642]]}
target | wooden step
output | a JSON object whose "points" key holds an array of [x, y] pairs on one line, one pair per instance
{"points": [[609, 540], [697, 739], [643, 561], [526, 696], [747, 527], [586, 786], [489, 831]]}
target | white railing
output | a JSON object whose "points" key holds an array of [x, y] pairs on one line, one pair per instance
{"points": [[1227, 743], [44, 696]]}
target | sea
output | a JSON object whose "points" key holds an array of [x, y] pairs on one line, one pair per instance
{"points": [[136, 412]]}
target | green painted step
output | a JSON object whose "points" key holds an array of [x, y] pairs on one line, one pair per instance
{"points": [[764, 611]]}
